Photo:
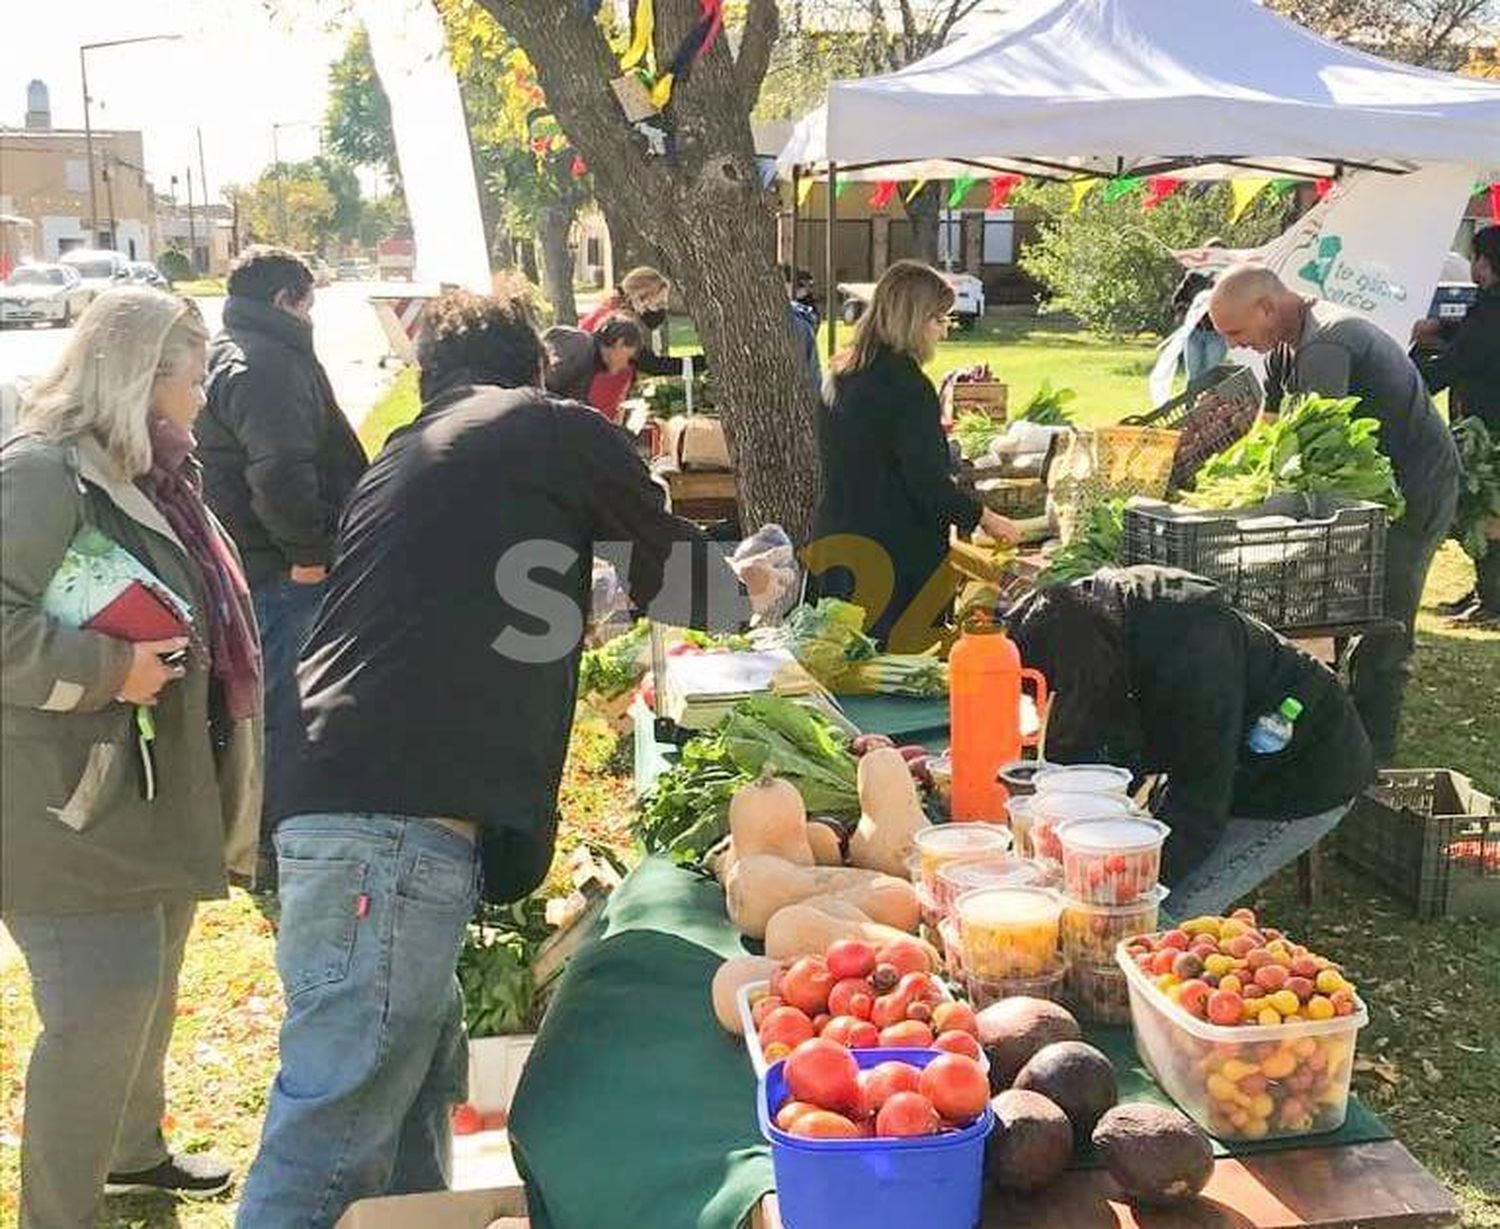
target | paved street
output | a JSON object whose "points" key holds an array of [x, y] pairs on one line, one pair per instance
{"points": [[348, 336]]}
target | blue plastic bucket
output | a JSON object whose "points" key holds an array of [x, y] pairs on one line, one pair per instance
{"points": [[935, 1182]]}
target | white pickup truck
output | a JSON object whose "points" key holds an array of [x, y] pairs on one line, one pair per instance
{"points": [[968, 299]]}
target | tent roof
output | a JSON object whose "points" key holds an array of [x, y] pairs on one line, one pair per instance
{"points": [[1111, 86]]}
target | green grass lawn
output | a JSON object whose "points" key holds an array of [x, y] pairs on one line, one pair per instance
{"points": [[1429, 1061], [201, 287]]}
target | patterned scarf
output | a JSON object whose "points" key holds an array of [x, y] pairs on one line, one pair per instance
{"points": [[172, 485]]}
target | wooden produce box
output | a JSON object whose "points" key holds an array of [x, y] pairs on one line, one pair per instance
{"points": [[986, 396]]}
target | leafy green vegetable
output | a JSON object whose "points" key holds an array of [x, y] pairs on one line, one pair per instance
{"points": [[686, 811], [829, 641], [616, 666], [1315, 446], [1046, 406], [494, 968], [1099, 543], [1479, 490], [975, 431]]}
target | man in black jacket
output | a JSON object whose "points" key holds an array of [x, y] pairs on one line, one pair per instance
{"points": [[279, 459], [438, 685]]}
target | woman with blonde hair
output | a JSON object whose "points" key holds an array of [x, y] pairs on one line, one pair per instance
{"points": [[112, 831], [642, 295], [887, 476]]}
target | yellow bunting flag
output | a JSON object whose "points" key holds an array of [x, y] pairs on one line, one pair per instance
{"points": [[916, 188], [1081, 188], [1244, 191], [804, 189], [661, 92], [645, 25]]}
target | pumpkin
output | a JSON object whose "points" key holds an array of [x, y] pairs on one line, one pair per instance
{"points": [[812, 926], [827, 842], [768, 816], [757, 886], [732, 976], [891, 813]]}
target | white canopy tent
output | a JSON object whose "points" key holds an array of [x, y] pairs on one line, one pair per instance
{"points": [[1184, 87]]}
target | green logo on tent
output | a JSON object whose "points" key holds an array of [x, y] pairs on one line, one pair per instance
{"points": [[1316, 270]]}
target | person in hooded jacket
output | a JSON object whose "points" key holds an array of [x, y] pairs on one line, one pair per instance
{"points": [[1152, 669]]}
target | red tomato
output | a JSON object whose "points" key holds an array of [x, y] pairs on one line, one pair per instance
{"points": [[884, 1080], [825, 1074], [921, 987], [888, 1009], [850, 958], [957, 1087], [841, 999], [806, 985], [852, 1032], [905, 955], [821, 1124], [954, 1016], [959, 1043], [790, 1112], [763, 1007], [907, 1035], [786, 1025], [907, 1114], [466, 1120]]}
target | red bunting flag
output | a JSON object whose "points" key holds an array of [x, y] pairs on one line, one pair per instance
{"points": [[880, 195], [1158, 188], [579, 167], [1324, 187], [1495, 203], [1001, 189]]}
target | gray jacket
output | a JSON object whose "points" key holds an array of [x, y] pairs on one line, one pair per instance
{"points": [[76, 833]]}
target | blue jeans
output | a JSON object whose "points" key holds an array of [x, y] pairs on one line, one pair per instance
{"points": [[1203, 350], [284, 611], [1249, 853], [373, 1054]]}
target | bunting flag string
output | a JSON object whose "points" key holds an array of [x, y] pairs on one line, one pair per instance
{"points": [[1244, 191], [804, 189], [1495, 203], [1121, 187], [960, 189], [840, 186], [1081, 189], [645, 27], [694, 46], [1158, 189], [1001, 189], [881, 193], [916, 190], [1323, 187], [1280, 187]]}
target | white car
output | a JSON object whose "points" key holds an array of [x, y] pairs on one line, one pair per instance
{"points": [[968, 299], [51, 294], [99, 269]]}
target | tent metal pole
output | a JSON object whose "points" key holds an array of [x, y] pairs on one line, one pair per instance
{"points": [[833, 213], [796, 220]]}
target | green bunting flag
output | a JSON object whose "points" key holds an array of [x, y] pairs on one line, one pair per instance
{"points": [[960, 189]]}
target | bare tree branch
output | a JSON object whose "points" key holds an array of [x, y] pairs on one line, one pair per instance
{"points": [[957, 11], [762, 24]]}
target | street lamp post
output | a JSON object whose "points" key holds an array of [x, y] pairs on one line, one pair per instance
{"points": [[88, 129]]}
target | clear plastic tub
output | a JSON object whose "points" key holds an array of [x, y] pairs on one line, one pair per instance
{"points": [[1019, 777], [1084, 779], [982, 991], [1246, 1081], [1090, 933], [1111, 860], [1021, 811], [1009, 932], [940, 769], [1050, 811], [943, 843], [1098, 993], [987, 871]]}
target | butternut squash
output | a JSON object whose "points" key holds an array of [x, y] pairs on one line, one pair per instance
{"points": [[768, 816], [828, 849], [812, 926], [733, 974], [891, 813], [759, 885]]}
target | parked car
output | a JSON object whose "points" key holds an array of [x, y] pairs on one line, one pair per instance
{"points": [[322, 274], [99, 269], [144, 273], [351, 271], [52, 294]]}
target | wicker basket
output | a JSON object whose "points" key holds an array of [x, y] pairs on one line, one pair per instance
{"points": [[1108, 463], [1430, 837]]}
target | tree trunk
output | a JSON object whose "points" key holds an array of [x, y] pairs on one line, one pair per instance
{"points": [[528, 260], [502, 246], [554, 225], [924, 210], [702, 206], [628, 247]]}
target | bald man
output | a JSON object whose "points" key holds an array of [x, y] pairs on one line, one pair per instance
{"points": [[1318, 347]]}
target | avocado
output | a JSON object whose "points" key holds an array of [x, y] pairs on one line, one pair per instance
{"points": [[1076, 1077], [1031, 1144], [1157, 1154], [1014, 1029]]}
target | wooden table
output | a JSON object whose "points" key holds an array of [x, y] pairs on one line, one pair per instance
{"points": [[1363, 1186]]}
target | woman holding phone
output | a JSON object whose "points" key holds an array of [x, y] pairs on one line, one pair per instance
{"points": [[103, 858]]}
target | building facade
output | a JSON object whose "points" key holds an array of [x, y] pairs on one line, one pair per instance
{"points": [[44, 177], [205, 234]]}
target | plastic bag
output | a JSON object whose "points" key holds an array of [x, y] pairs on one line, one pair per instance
{"points": [[766, 562]]}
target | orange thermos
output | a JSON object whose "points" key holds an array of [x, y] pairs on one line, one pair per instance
{"points": [[984, 697]]}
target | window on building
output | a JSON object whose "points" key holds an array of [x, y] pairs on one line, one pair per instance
{"points": [[951, 237], [1000, 237]]}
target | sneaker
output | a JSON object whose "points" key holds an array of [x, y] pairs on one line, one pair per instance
{"points": [[1477, 616], [192, 1175], [1452, 609]]}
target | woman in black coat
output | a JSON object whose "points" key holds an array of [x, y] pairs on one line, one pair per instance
{"points": [[887, 476], [1152, 669]]}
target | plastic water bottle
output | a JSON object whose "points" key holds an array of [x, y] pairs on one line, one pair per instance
{"points": [[1272, 731]]}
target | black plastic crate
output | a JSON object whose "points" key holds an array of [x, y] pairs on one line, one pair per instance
{"points": [[1323, 568], [1429, 837]]}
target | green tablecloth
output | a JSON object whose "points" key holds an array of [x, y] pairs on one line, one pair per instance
{"points": [[907, 719], [636, 1108]]}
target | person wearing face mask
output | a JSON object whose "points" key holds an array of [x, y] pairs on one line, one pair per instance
{"points": [[596, 369], [279, 459], [643, 293]]}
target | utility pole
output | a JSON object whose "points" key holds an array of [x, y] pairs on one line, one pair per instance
{"points": [[280, 184], [208, 217], [109, 195], [192, 233]]}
